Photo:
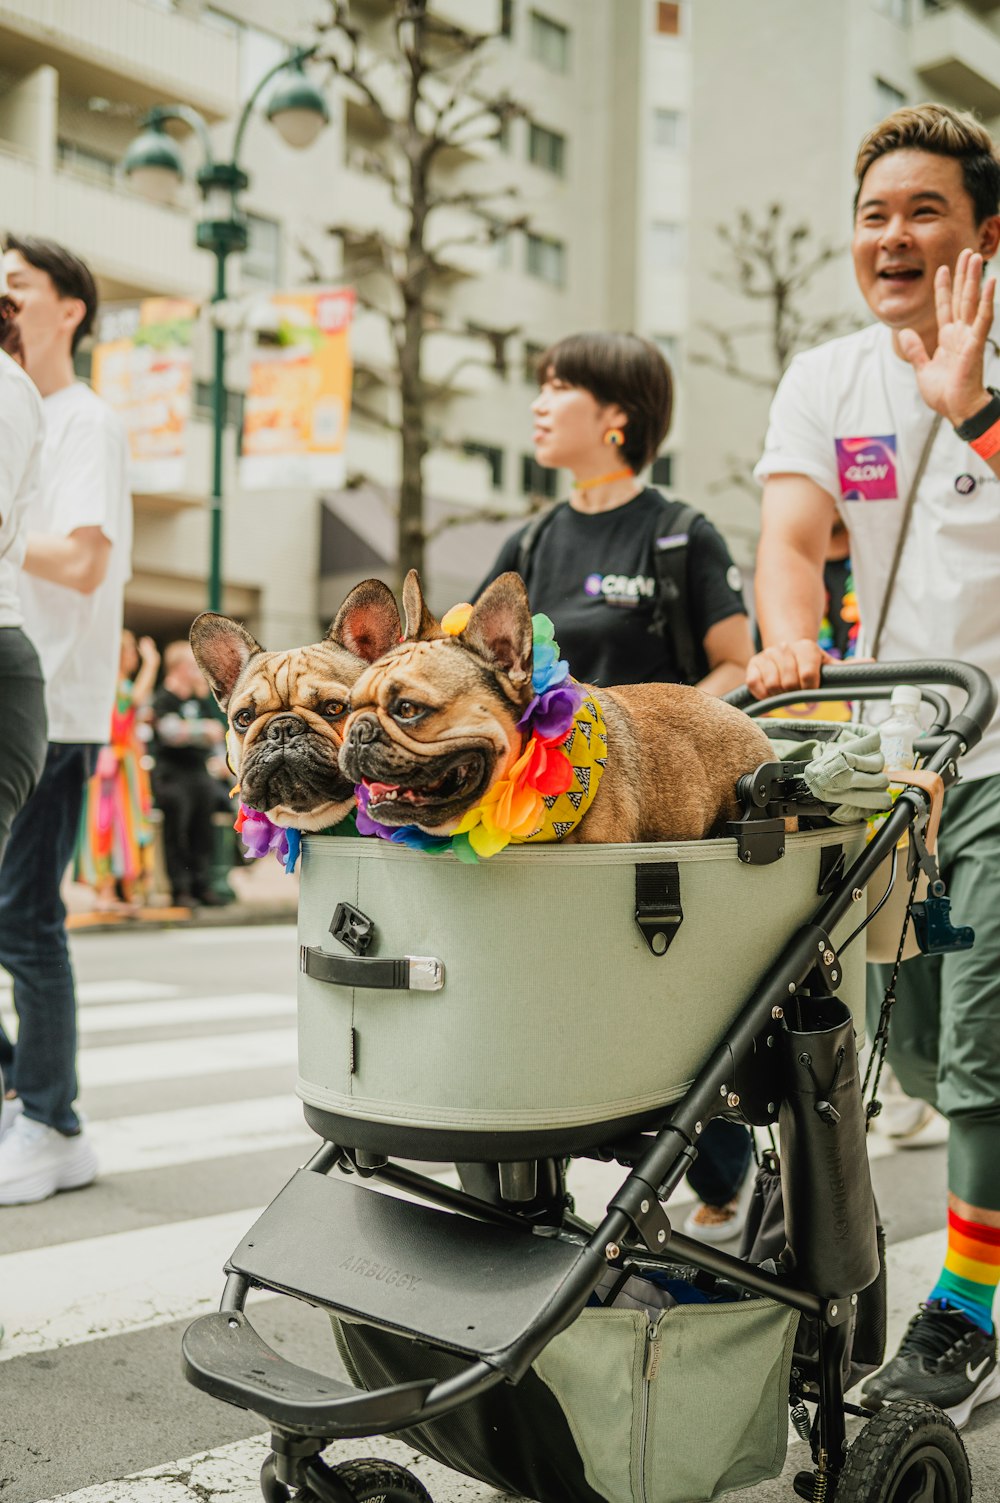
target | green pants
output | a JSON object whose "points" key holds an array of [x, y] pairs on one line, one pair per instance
{"points": [[944, 1037]]}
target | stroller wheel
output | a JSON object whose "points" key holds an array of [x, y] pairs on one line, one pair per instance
{"points": [[372, 1481], [908, 1452], [271, 1489]]}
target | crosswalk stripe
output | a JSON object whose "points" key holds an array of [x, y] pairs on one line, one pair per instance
{"points": [[126, 1281], [112, 1016], [215, 1054], [155, 1140], [123, 989]]}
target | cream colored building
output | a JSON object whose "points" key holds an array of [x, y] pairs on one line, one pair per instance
{"points": [[600, 164]]}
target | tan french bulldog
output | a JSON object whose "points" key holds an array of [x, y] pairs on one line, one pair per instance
{"points": [[287, 710], [434, 724]]}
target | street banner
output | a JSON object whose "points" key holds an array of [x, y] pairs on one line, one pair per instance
{"points": [[143, 368], [299, 394]]}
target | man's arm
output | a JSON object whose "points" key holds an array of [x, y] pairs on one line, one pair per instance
{"points": [[796, 521], [78, 561]]}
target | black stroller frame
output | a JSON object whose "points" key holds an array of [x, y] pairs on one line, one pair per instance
{"points": [[520, 1267]]}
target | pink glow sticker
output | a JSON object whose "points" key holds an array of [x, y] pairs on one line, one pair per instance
{"points": [[867, 468]]}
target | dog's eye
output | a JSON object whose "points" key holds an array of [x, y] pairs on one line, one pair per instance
{"points": [[405, 709], [242, 719], [332, 709]]}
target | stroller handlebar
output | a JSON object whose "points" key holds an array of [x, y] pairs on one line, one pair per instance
{"points": [[968, 725]]}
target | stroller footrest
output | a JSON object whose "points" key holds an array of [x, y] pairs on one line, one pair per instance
{"points": [[473, 1288], [224, 1356]]}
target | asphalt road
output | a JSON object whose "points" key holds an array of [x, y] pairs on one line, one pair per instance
{"points": [[187, 1069]]}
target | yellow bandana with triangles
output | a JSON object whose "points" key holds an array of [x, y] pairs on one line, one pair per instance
{"points": [[587, 749]]}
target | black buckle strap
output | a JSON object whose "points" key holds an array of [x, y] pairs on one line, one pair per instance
{"points": [[658, 910]]}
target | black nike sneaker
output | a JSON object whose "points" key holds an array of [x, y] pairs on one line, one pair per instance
{"points": [[944, 1359]]}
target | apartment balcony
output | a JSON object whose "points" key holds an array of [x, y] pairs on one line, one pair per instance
{"points": [[453, 478], [956, 54], [457, 364], [147, 248], [363, 204], [156, 55]]}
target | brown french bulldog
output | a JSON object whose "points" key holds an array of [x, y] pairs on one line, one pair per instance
{"points": [[434, 724], [287, 709]]}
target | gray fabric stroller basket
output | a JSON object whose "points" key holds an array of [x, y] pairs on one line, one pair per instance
{"points": [[674, 1406], [555, 1022]]}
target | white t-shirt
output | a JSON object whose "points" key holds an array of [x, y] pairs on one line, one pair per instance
{"points": [[849, 415], [78, 637], [22, 429]]}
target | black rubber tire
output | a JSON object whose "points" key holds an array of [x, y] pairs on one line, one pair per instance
{"points": [[373, 1481], [908, 1452]]}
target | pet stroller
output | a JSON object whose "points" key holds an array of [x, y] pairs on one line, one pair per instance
{"points": [[605, 1002]]}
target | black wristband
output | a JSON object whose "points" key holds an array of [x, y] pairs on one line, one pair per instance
{"points": [[981, 421]]}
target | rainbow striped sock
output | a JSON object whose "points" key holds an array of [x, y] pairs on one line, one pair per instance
{"points": [[971, 1270]]}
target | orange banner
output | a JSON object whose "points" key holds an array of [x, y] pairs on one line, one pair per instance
{"points": [[299, 394], [143, 368]]}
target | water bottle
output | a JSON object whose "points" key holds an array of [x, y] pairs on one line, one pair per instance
{"points": [[902, 728]]}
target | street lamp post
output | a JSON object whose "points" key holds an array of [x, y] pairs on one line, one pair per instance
{"points": [[298, 110]]}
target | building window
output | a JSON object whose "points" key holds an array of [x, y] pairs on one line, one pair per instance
{"points": [[493, 457], [86, 163], [546, 260], [507, 18], [663, 470], [887, 99], [549, 43], [547, 149], [532, 354], [667, 244], [668, 129], [262, 257], [504, 134], [536, 481], [669, 347], [202, 405], [668, 19]]}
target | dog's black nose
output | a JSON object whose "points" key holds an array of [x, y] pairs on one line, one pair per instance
{"points": [[284, 728], [364, 729]]}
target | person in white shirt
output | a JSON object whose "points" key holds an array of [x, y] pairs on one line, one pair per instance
{"points": [[22, 700], [76, 562], [849, 424]]}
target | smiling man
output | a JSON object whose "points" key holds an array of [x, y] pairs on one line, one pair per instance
{"points": [[909, 405]]}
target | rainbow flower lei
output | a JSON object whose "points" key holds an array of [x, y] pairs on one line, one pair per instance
{"points": [[514, 807]]}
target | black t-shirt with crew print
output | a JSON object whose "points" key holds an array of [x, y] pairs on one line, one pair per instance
{"points": [[594, 575]]}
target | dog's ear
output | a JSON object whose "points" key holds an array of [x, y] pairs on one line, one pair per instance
{"points": [[222, 649], [420, 624], [367, 623], [499, 628]]}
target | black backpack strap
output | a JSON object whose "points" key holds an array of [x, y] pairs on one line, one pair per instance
{"points": [[671, 611], [530, 536]]}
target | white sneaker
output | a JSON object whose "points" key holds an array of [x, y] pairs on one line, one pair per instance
{"points": [[36, 1161], [722, 1223], [10, 1110]]}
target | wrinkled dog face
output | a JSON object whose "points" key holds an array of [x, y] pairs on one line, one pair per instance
{"points": [[287, 710], [434, 723]]}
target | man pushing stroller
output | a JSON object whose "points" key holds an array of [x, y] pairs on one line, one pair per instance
{"points": [[897, 429]]}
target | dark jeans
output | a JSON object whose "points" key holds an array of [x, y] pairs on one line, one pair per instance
{"points": [[188, 798], [723, 1160], [33, 948], [22, 715]]}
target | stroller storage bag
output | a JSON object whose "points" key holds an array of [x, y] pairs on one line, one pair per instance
{"points": [[677, 1406]]}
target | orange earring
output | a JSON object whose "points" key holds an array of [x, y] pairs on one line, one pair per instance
{"points": [[615, 437]]}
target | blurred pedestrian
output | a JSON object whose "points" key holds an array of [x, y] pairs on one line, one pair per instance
{"points": [[76, 561], [186, 737], [114, 844]]}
